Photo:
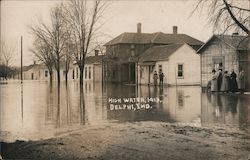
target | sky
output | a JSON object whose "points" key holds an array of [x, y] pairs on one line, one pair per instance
{"points": [[120, 16]]}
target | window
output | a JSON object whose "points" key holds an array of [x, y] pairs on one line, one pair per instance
{"points": [[132, 46], [132, 53], [180, 71], [89, 72], [73, 74], [46, 73], [77, 73], [86, 72]]}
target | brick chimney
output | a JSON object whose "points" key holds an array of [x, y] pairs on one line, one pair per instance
{"points": [[138, 27], [175, 30], [96, 52]]}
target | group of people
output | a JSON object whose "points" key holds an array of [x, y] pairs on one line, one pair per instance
{"points": [[227, 82], [160, 76]]}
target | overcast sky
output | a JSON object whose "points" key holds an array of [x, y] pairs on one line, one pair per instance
{"points": [[121, 16]]}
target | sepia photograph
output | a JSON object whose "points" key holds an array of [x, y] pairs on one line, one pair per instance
{"points": [[125, 79]]}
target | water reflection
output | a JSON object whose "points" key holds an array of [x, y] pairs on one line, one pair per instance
{"points": [[177, 104], [35, 110], [225, 109]]}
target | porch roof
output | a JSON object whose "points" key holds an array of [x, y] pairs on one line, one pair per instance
{"points": [[147, 63]]}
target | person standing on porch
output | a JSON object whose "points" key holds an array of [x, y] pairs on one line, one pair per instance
{"points": [[225, 82], [219, 79], [214, 81], [233, 87], [155, 78], [161, 77], [242, 81]]}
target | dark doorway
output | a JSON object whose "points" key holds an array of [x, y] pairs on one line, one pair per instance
{"points": [[131, 73], [32, 76]]}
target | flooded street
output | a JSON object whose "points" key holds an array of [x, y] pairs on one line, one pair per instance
{"points": [[36, 110]]}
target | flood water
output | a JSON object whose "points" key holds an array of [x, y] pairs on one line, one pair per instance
{"points": [[35, 110]]}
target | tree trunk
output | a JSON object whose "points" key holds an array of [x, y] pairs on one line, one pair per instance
{"points": [[81, 75], [50, 76], [82, 106], [66, 77], [58, 75]]}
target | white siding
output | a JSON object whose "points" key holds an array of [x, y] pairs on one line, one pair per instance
{"points": [[191, 65]]}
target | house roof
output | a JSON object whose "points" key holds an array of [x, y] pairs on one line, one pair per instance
{"points": [[93, 59], [156, 38], [235, 41], [27, 68], [157, 53]]}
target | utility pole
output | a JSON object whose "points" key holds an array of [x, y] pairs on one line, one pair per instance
{"points": [[0, 34], [21, 59]]}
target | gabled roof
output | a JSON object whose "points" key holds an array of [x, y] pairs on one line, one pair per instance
{"points": [[27, 68], [235, 41], [155, 38], [93, 59], [157, 53]]}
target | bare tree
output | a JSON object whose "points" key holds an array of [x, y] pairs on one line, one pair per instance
{"points": [[7, 53], [83, 23], [7, 57], [69, 47], [53, 37], [43, 52], [227, 15], [58, 36]]}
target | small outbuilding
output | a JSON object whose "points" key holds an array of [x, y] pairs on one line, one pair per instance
{"points": [[226, 52]]}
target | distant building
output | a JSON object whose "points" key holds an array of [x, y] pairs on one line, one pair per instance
{"points": [[226, 52], [123, 51], [41, 72], [92, 69], [35, 72], [179, 62]]}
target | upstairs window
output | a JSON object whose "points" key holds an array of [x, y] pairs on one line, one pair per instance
{"points": [[132, 46], [180, 71], [132, 53]]}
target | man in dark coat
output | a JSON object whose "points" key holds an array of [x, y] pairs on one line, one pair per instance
{"points": [[233, 86], [219, 79], [161, 77]]}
